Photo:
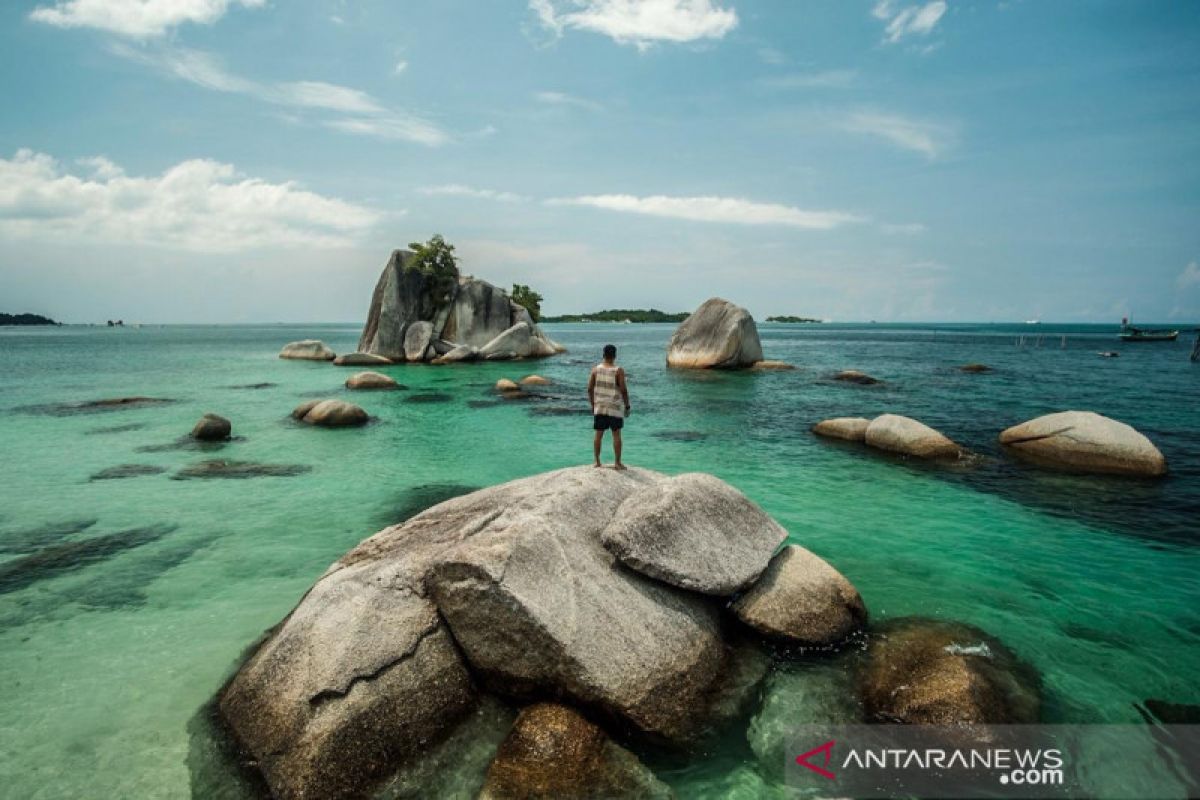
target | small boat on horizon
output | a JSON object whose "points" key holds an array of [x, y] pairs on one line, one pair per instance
{"points": [[1131, 334]]}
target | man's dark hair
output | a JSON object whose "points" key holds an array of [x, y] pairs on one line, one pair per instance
{"points": [[610, 351]]}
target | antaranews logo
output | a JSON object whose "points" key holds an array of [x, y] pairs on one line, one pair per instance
{"points": [[1000, 761]]}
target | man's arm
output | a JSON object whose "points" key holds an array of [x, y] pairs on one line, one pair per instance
{"points": [[592, 389], [621, 385]]}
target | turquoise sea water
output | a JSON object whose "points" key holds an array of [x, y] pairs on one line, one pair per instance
{"points": [[124, 602]]}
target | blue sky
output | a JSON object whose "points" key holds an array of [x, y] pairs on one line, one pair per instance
{"points": [[257, 160]]}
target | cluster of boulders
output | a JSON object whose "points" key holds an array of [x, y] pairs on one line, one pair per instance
{"points": [[633, 597], [1075, 441]]}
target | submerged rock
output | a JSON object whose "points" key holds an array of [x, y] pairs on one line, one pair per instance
{"points": [[32, 539], [96, 406], [371, 380], [307, 350], [814, 693], [854, 376], [361, 360], [717, 335], [127, 471], [802, 600], [906, 436], [932, 672], [219, 468], [330, 413], [852, 429], [552, 752], [535, 380], [772, 365], [429, 397], [696, 532], [212, 428], [1084, 441], [505, 385], [59, 559], [975, 368]]}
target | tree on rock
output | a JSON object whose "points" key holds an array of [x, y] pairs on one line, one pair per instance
{"points": [[523, 295], [436, 259]]}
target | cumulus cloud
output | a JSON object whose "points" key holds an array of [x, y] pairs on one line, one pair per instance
{"points": [[197, 205], [359, 113], [731, 210], [927, 138], [912, 20], [138, 19], [1190, 276], [639, 22], [459, 190], [563, 99]]}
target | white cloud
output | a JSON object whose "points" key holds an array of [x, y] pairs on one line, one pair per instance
{"points": [[563, 99], [459, 190], [197, 205], [639, 22], [913, 20], [927, 138], [827, 79], [361, 113], [714, 209], [138, 19], [1190, 276], [400, 67], [770, 55]]}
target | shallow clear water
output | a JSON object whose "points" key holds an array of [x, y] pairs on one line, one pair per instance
{"points": [[109, 644]]}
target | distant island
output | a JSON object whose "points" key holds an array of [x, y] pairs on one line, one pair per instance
{"points": [[25, 319], [791, 319], [622, 315]]}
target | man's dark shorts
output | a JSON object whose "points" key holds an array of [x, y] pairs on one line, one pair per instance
{"points": [[603, 422]]}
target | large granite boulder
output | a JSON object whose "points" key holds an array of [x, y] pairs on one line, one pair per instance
{"points": [[1084, 441], [509, 589], [307, 350], [406, 321], [906, 436], [330, 413], [537, 603], [212, 428], [935, 672], [803, 601], [717, 335], [552, 752], [696, 532], [852, 429]]}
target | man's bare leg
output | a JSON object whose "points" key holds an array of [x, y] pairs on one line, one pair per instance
{"points": [[617, 449], [596, 447]]}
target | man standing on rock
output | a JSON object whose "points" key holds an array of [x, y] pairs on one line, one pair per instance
{"points": [[610, 402]]}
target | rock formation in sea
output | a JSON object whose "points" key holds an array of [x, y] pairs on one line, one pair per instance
{"points": [[852, 429], [361, 360], [1083, 441], [330, 413], [307, 350], [572, 593], [479, 321], [212, 428], [717, 335], [371, 380], [906, 436], [509, 591], [855, 376]]}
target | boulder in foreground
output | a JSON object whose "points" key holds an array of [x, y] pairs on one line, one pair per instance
{"points": [[717, 335], [308, 350], [906, 436], [852, 429], [509, 589], [696, 532], [371, 380], [552, 752], [802, 600], [212, 428], [330, 413], [932, 672], [1084, 441]]}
